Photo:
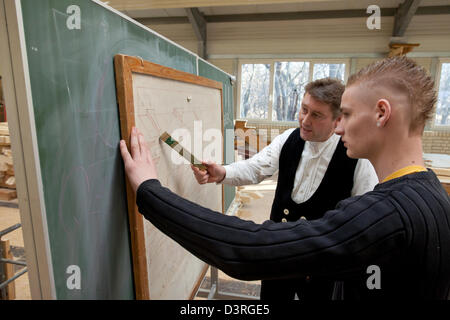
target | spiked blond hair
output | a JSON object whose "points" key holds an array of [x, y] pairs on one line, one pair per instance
{"points": [[403, 75]]}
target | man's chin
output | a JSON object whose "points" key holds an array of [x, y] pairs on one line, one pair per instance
{"points": [[305, 135], [351, 154]]}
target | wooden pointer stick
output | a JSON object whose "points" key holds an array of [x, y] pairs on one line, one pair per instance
{"points": [[165, 137]]}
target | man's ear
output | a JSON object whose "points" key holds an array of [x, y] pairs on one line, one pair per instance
{"points": [[336, 121], [383, 112]]}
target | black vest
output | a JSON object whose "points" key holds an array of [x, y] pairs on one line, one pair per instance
{"points": [[336, 185]]}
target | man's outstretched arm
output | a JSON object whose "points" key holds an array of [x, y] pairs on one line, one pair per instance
{"points": [[345, 240], [339, 243]]}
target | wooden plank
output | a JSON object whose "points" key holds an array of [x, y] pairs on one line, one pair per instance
{"points": [[400, 49], [9, 268], [137, 65], [124, 89], [4, 129], [7, 181], [7, 194], [441, 171], [5, 140], [243, 198], [254, 194], [444, 180]]}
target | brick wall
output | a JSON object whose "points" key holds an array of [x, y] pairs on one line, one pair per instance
{"points": [[433, 141], [436, 142], [271, 130]]}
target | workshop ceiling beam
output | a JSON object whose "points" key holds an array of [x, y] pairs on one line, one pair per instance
{"points": [[198, 23], [403, 17], [168, 4], [301, 15]]}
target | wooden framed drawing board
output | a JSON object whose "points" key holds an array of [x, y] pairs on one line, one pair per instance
{"points": [[155, 99]]}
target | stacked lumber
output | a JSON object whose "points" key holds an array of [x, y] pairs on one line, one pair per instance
{"points": [[247, 141], [245, 196], [7, 178], [5, 253]]}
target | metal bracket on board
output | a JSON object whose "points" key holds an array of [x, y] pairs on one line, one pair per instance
{"points": [[214, 292]]}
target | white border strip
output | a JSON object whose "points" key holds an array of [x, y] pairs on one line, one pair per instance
{"points": [[159, 35], [26, 156]]}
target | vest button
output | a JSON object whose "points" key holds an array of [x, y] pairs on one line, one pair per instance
{"points": [[303, 217], [283, 220], [286, 211]]}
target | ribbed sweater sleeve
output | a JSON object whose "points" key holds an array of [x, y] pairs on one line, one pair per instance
{"points": [[359, 232]]}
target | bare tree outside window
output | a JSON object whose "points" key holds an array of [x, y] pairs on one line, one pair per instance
{"points": [[255, 91], [289, 82], [443, 105], [329, 70]]}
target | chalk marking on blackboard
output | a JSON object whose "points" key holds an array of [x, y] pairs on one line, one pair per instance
{"points": [[63, 212]]}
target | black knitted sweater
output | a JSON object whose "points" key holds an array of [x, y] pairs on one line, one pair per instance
{"points": [[403, 227]]}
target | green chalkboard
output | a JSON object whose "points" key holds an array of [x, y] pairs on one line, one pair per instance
{"points": [[208, 71], [77, 128]]}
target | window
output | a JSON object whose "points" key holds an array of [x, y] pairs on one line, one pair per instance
{"points": [[255, 90], [289, 82], [272, 90], [443, 105], [331, 70]]}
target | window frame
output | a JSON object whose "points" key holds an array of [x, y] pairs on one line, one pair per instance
{"points": [[272, 62], [437, 83]]}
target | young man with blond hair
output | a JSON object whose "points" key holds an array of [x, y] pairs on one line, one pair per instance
{"points": [[401, 228], [314, 174]]}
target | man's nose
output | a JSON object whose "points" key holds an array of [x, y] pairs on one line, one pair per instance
{"points": [[305, 119], [339, 128]]}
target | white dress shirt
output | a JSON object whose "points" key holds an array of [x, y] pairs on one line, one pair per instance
{"points": [[312, 167]]}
